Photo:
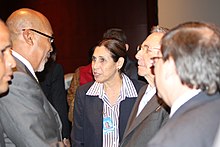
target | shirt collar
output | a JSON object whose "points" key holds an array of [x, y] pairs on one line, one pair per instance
{"points": [[128, 89], [182, 100], [25, 62]]}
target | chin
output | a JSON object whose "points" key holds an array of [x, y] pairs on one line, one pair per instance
{"points": [[3, 88], [142, 74], [40, 68], [98, 80]]}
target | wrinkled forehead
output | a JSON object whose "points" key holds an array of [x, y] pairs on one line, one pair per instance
{"points": [[153, 40]]}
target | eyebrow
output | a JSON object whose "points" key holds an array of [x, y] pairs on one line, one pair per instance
{"points": [[145, 45]]}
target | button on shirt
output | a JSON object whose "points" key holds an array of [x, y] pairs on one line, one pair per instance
{"points": [[111, 112], [149, 93]]}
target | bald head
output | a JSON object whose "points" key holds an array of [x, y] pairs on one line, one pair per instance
{"points": [[31, 35], [27, 18]]}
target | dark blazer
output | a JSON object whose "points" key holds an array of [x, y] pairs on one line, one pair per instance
{"points": [[27, 118], [194, 124], [88, 117], [130, 69], [52, 83], [141, 129]]}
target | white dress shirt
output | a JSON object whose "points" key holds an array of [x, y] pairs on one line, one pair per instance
{"points": [[111, 112], [149, 93]]}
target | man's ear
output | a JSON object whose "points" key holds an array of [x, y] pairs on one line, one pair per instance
{"points": [[127, 46], [120, 62], [170, 68], [28, 37]]}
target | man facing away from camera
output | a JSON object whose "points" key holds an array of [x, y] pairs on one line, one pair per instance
{"points": [[188, 80]]}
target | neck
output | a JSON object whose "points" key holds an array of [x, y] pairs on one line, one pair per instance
{"points": [[113, 84], [150, 80], [112, 90], [178, 92]]}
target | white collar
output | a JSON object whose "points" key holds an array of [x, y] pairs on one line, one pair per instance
{"points": [[182, 100], [149, 93], [25, 62]]}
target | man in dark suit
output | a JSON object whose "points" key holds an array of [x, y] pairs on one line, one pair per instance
{"points": [[51, 80], [7, 62], [149, 113], [28, 119], [188, 80]]}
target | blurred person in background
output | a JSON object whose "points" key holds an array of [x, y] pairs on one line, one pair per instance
{"points": [[51, 80]]}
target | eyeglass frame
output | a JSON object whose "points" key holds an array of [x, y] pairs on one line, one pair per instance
{"points": [[139, 47], [41, 33]]}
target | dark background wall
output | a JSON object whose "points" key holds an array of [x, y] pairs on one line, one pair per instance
{"points": [[79, 24]]}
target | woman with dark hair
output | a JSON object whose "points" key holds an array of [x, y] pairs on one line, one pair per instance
{"points": [[102, 108]]}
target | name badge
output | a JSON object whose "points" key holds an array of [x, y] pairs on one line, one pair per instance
{"points": [[107, 125]]}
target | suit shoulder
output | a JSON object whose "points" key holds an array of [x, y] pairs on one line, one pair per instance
{"points": [[58, 67], [138, 84], [21, 77], [85, 87]]}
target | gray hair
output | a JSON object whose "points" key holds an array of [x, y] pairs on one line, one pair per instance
{"points": [[159, 29], [195, 48]]}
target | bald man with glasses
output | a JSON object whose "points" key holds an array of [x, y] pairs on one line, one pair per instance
{"points": [[28, 119]]}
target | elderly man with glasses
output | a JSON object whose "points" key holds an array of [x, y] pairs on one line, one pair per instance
{"points": [[149, 113], [28, 119]]}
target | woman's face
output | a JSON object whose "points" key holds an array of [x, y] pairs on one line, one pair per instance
{"points": [[103, 67]]}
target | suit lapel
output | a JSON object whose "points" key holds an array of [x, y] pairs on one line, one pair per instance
{"points": [[134, 121], [22, 68], [134, 111], [151, 106], [196, 101]]}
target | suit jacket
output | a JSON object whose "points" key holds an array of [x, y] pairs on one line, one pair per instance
{"points": [[194, 124], [88, 117], [130, 69], [2, 142], [217, 139], [142, 128], [52, 83], [27, 118]]}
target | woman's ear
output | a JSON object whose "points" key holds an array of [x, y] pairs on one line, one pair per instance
{"points": [[28, 36], [127, 46], [120, 62]]}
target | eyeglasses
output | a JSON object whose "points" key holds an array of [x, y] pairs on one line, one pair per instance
{"points": [[43, 34], [148, 49], [154, 60]]}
